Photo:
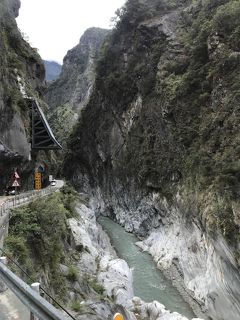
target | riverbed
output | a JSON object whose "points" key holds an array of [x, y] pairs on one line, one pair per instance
{"points": [[148, 281]]}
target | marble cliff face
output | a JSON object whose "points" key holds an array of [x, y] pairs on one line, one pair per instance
{"points": [[68, 95], [22, 73], [157, 143]]}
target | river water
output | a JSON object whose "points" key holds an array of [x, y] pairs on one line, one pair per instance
{"points": [[148, 281]]}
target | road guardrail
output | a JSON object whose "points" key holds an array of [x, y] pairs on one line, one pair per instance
{"points": [[38, 305]]}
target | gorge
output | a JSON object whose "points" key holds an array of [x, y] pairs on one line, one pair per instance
{"points": [[148, 114], [156, 145]]}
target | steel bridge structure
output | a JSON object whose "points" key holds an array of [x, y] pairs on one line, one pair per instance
{"points": [[42, 135]]}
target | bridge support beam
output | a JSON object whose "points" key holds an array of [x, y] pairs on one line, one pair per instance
{"points": [[42, 135]]}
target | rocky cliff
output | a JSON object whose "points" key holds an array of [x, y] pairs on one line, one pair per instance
{"points": [[157, 144], [21, 72], [70, 93], [53, 70]]}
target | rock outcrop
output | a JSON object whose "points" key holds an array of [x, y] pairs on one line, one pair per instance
{"points": [[70, 93], [21, 69], [99, 259], [157, 143]]}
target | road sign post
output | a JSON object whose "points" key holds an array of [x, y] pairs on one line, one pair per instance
{"points": [[15, 184]]}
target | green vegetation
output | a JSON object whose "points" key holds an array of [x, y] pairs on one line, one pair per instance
{"points": [[72, 274], [68, 197], [37, 234], [125, 77], [226, 19], [96, 286], [76, 306], [39, 241], [203, 101]]}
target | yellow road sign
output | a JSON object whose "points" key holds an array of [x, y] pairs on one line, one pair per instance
{"points": [[38, 180]]}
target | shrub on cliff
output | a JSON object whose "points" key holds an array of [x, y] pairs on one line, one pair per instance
{"points": [[33, 243], [226, 19]]}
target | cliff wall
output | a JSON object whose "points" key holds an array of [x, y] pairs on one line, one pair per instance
{"points": [[70, 93], [21, 72], [157, 144]]}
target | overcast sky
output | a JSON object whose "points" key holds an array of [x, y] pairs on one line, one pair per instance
{"points": [[55, 26]]}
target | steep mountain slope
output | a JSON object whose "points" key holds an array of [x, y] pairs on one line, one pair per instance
{"points": [[70, 93], [157, 144], [21, 69], [53, 70]]}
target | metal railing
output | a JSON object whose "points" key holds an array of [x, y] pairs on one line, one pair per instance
{"points": [[38, 305], [17, 201], [24, 198]]}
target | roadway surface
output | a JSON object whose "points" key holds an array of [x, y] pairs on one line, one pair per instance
{"points": [[59, 184], [11, 308]]}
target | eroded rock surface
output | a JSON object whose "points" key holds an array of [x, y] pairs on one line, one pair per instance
{"points": [[157, 143], [70, 93], [20, 67], [99, 259]]}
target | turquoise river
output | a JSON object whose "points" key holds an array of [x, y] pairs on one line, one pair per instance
{"points": [[148, 281]]}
